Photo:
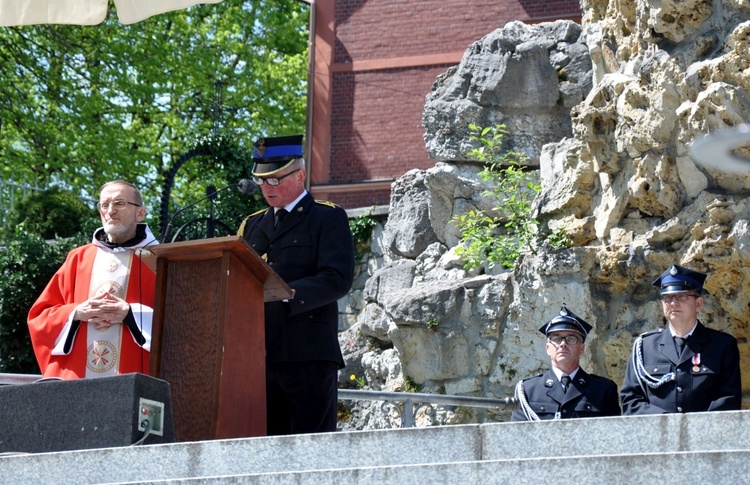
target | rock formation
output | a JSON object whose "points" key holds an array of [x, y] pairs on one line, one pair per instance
{"points": [[611, 132]]}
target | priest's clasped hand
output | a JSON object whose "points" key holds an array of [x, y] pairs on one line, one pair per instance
{"points": [[103, 310]]}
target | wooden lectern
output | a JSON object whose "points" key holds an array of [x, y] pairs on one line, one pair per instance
{"points": [[208, 338]]}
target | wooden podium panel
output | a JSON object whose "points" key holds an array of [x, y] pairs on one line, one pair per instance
{"points": [[208, 337]]}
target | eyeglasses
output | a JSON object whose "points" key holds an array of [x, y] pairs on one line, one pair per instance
{"points": [[569, 339], [272, 181], [115, 204], [680, 297]]}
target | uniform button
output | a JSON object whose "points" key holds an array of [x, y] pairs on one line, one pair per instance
{"points": [[679, 389], [656, 369], [542, 408], [271, 263], [270, 246], [301, 302], [679, 409], [679, 370], [588, 407]]}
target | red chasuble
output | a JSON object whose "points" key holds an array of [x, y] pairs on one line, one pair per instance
{"points": [[69, 287]]}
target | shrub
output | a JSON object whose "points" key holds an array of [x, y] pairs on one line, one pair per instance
{"points": [[499, 237], [50, 213], [361, 228], [26, 266]]}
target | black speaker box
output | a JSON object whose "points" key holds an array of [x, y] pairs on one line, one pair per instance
{"points": [[58, 415]]}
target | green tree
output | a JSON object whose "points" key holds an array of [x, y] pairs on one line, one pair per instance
{"points": [[49, 214], [83, 105]]}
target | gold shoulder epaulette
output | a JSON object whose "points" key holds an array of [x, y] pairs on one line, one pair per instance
{"points": [[326, 202], [241, 230]]}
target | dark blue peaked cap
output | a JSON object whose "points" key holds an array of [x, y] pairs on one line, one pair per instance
{"points": [[273, 154], [567, 320], [677, 279]]}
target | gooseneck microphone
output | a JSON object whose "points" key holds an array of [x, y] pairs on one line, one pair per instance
{"points": [[247, 187], [244, 186]]}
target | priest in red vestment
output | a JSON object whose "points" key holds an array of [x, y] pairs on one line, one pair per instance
{"points": [[94, 317]]}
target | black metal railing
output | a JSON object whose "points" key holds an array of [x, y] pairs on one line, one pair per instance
{"points": [[407, 405]]}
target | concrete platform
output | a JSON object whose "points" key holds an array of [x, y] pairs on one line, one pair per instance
{"points": [[686, 448]]}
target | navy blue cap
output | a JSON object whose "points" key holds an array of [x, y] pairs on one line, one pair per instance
{"points": [[677, 279], [273, 154], [566, 320]]}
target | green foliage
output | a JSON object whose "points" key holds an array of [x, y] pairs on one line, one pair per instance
{"points": [[226, 163], [361, 227], [344, 412], [432, 322], [26, 266], [411, 386], [49, 214], [360, 381], [84, 105], [499, 237], [559, 239], [511, 372]]}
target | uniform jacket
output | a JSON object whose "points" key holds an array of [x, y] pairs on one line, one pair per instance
{"points": [[588, 396], [711, 385], [313, 252]]}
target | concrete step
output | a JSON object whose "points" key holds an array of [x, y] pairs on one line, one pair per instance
{"points": [[646, 469], [608, 450]]}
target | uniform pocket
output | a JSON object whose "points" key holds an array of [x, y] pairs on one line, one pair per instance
{"points": [[658, 370]]}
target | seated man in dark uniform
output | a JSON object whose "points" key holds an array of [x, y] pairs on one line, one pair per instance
{"points": [[565, 390], [686, 367]]}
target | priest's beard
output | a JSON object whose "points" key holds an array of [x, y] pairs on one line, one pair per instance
{"points": [[117, 232]]}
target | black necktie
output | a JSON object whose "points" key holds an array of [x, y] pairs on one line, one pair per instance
{"points": [[278, 217], [565, 382], [679, 344]]}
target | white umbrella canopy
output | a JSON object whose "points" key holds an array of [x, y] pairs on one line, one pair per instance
{"points": [[85, 12]]}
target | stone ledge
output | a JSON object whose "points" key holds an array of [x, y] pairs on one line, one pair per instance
{"points": [[632, 449]]}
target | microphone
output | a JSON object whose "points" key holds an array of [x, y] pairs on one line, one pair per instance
{"points": [[245, 186]]}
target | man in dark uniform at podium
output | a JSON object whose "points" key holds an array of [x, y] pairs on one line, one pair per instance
{"points": [[565, 390], [686, 367], [309, 244]]}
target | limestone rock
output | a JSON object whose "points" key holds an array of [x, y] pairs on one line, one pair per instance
{"points": [[526, 76], [412, 232]]}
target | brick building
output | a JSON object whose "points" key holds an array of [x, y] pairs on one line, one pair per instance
{"points": [[373, 62]]}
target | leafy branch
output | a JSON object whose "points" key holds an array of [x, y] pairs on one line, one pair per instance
{"points": [[500, 235]]}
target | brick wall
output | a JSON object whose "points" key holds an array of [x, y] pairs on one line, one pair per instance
{"points": [[366, 198], [377, 123], [376, 115], [394, 28]]}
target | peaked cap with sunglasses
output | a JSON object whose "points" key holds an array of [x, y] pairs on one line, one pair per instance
{"points": [[566, 320], [272, 155]]}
